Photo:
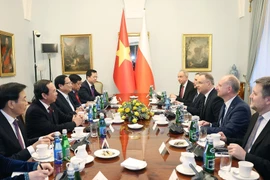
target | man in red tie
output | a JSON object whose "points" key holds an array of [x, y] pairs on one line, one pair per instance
{"points": [[186, 91], [76, 85], [87, 91]]}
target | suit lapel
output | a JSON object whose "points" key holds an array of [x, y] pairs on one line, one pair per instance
{"points": [[231, 107], [250, 128], [65, 102], [46, 112]]}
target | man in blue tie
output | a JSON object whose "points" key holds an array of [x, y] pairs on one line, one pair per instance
{"points": [[234, 115], [87, 91], [255, 145]]}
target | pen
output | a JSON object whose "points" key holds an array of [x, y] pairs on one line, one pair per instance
{"points": [[40, 166]]}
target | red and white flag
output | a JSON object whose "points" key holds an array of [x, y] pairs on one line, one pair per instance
{"points": [[123, 71], [143, 69]]}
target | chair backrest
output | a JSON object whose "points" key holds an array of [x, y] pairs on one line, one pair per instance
{"points": [[99, 86]]}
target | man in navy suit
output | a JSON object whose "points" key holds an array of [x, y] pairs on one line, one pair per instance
{"points": [[255, 145], [186, 91], [234, 116], [211, 102], [76, 85], [87, 91]]}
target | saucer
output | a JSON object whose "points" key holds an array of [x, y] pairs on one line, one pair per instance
{"points": [[181, 170], [159, 118], [79, 136], [88, 159], [114, 102], [37, 157], [220, 144], [118, 121], [135, 126], [162, 122], [254, 175], [182, 143], [133, 97]]}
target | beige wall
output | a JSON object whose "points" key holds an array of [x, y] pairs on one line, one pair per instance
{"points": [[166, 21]]}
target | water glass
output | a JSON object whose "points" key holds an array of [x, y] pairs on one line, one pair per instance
{"points": [[225, 161], [94, 129], [202, 134]]}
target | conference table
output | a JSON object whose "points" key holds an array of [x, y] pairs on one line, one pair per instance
{"points": [[142, 144]]}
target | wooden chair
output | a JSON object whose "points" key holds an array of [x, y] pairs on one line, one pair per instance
{"points": [[99, 86]]}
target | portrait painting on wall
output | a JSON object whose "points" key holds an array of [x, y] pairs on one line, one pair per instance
{"points": [[76, 52], [7, 57], [197, 52]]}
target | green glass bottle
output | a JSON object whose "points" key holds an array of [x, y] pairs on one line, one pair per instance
{"points": [[102, 126], [77, 172], [94, 111], [194, 129], [209, 156], [65, 146], [101, 102]]}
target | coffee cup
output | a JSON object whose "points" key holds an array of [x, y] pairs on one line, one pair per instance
{"points": [[245, 168], [78, 131], [186, 159], [216, 139], [114, 100], [42, 150]]}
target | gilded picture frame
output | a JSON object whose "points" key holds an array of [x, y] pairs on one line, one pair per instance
{"points": [[7, 54], [197, 52], [76, 52]]}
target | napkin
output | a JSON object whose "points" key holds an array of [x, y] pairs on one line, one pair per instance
{"points": [[133, 163], [100, 176]]}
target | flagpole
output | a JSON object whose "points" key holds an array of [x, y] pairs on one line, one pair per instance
{"points": [[123, 4]]}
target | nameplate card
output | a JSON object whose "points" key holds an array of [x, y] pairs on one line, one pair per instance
{"points": [[154, 127], [163, 149], [173, 175], [111, 128], [100, 176], [105, 144]]}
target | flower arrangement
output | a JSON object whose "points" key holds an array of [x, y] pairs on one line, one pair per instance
{"points": [[134, 110]]}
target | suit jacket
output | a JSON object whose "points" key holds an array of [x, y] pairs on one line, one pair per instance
{"points": [[188, 94], [259, 153], [10, 165], [62, 104], [9, 144], [39, 122], [211, 109], [235, 121], [196, 106], [73, 98], [85, 93]]}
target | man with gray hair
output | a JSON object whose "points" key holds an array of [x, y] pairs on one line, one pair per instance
{"points": [[187, 90], [234, 116], [211, 102]]}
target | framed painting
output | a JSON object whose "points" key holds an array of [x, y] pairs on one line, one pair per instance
{"points": [[197, 52], [7, 54], [76, 52]]}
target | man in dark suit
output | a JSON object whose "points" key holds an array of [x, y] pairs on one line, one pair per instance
{"points": [[197, 102], [63, 102], [43, 116], [87, 91], [212, 103], [255, 145], [13, 140], [234, 116], [186, 91], [76, 85], [35, 172]]}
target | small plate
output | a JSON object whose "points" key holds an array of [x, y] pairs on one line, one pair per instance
{"points": [[133, 97], [88, 159], [99, 153], [254, 175], [162, 122], [115, 102], [135, 169], [135, 126], [181, 170], [118, 121], [35, 156], [184, 143], [159, 118], [154, 102], [76, 136], [220, 144]]}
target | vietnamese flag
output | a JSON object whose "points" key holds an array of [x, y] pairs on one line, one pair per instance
{"points": [[143, 69], [123, 72]]}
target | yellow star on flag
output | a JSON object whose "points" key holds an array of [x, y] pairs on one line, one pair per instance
{"points": [[123, 53]]}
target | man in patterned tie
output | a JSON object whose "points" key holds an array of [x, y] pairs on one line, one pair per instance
{"points": [[76, 85], [255, 145], [87, 91]]}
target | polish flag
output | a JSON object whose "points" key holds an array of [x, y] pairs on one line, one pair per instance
{"points": [[143, 69]]}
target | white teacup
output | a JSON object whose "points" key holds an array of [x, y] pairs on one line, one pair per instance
{"points": [[162, 117], [74, 161], [216, 139], [245, 168], [81, 152], [42, 150], [187, 158], [114, 99], [117, 115], [154, 100], [78, 131]]}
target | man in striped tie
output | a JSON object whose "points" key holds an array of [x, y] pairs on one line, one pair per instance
{"points": [[76, 85], [255, 145]]}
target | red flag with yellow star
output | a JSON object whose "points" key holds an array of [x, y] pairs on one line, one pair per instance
{"points": [[123, 72]]}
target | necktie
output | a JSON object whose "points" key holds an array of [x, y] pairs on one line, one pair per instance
{"points": [[77, 97], [92, 90], [253, 133], [50, 110], [181, 94], [19, 137], [196, 95], [222, 114], [70, 104]]}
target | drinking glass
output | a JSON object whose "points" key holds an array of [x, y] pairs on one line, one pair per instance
{"points": [[202, 134], [94, 129], [225, 161]]}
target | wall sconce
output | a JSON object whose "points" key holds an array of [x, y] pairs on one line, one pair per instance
{"points": [[35, 34]]}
